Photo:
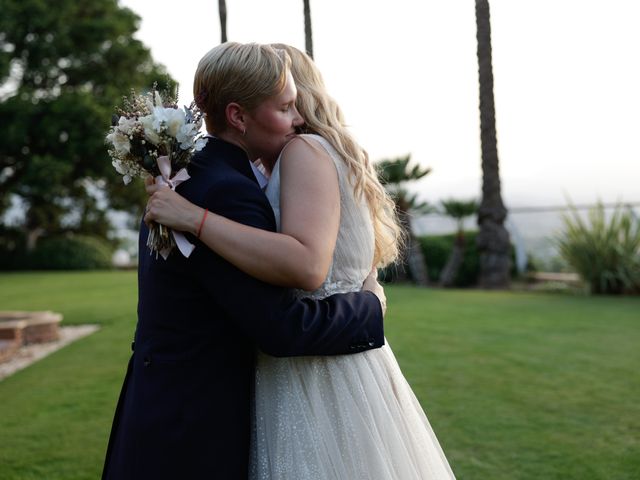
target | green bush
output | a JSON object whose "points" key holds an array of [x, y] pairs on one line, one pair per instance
{"points": [[77, 252], [12, 248], [437, 249], [606, 254], [71, 253]]}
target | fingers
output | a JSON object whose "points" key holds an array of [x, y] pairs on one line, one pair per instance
{"points": [[160, 201], [148, 217], [150, 213], [167, 207], [152, 188]]}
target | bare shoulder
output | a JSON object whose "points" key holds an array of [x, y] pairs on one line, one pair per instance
{"points": [[307, 152]]}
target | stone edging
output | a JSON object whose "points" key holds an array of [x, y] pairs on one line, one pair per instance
{"points": [[28, 354]]}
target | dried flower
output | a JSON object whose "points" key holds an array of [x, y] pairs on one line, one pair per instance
{"points": [[147, 129]]}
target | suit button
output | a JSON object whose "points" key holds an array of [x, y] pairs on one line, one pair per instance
{"points": [[146, 361], [371, 344]]}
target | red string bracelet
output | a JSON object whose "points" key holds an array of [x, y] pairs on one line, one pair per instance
{"points": [[206, 211]]}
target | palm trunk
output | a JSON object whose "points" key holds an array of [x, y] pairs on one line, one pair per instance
{"points": [[493, 238], [222, 11], [451, 269], [416, 265], [308, 37]]}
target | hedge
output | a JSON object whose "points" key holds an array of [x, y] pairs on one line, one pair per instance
{"points": [[68, 252]]}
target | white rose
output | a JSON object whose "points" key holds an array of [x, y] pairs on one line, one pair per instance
{"points": [[119, 167], [148, 101], [185, 135], [150, 132], [127, 173], [172, 119], [125, 125], [157, 98], [200, 143], [159, 117], [119, 141]]}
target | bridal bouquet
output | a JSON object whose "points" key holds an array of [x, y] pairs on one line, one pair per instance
{"points": [[150, 135]]}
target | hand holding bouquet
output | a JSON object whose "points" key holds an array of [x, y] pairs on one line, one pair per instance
{"points": [[152, 136]]}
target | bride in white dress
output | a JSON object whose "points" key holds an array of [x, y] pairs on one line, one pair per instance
{"points": [[346, 416], [333, 417]]}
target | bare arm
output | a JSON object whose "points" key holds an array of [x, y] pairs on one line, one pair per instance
{"points": [[300, 256]]}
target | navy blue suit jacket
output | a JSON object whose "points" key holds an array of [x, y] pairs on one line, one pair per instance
{"points": [[184, 409]]}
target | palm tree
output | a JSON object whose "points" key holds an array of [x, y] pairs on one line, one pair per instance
{"points": [[394, 174], [458, 210], [493, 238], [308, 37], [222, 11]]}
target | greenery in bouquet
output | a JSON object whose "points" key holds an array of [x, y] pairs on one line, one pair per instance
{"points": [[151, 136]]}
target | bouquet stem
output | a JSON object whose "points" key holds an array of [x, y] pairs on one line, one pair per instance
{"points": [[160, 238]]}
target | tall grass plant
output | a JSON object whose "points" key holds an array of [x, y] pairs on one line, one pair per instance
{"points": [[604, 251]]}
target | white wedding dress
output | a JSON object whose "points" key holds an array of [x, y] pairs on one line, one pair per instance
{"points": [[341, 417]]}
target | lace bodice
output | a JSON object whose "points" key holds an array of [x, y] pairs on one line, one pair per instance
{"points": [[353, 255]]}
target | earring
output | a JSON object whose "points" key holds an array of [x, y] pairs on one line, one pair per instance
{"points": [[244, 132]]}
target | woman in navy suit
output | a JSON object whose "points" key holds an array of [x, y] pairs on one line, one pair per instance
{"points": [[185, 405]]}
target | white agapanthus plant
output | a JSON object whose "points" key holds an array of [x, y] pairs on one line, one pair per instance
{"points": [[150, 135]]}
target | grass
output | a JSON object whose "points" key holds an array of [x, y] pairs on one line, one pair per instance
{"points": [[516, 385], [56, 414]]}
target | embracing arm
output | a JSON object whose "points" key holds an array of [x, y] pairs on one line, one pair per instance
{"points": [[280, 323], [298, 257]]}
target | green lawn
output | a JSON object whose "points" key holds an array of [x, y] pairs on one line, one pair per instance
{"points": [[516, 385]]}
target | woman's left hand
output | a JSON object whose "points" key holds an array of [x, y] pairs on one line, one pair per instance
{"points": [[171, 209], [371, 284]]}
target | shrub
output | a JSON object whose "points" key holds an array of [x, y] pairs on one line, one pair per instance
{"points": [[605, 254], [12, 248], [437, 249], [70, 253]]}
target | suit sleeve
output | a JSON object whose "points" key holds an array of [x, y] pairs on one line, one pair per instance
{"points": [[280, 323]]}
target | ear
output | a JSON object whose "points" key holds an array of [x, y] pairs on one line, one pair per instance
{"points": [[236, 117]]}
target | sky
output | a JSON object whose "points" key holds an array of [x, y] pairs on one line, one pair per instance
{"points": [[567, 84]]}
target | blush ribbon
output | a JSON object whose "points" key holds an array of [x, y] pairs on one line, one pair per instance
{"points": [[165, 178]]}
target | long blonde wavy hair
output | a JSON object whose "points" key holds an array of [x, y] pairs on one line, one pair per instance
{"points": [[324, 117]]}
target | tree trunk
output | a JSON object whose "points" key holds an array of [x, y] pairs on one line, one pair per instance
{"points": [[38, 220], [417, 263], [308, 37], [493, 238], [414, 261], [33, 235], [451, 269], [222, 11]]}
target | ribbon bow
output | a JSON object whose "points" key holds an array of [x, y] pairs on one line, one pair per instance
{"points": [[165, 178]]}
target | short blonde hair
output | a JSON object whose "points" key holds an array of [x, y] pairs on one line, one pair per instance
{"points": [[246, 74], [324, 117]]}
